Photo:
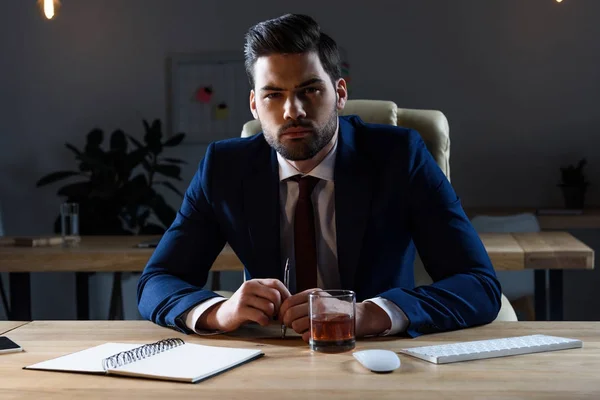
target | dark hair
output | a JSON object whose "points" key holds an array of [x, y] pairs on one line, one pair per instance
{"points": [[291, 34]]}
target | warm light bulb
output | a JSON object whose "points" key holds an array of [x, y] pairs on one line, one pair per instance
{"points": [[559, 1], [49, 7]]}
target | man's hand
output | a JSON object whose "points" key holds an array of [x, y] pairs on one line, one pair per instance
{"points": [[257, 300], [370, 318], [294, 313]]}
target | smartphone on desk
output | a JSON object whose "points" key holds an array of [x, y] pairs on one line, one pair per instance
{"points": [[8, 346]]}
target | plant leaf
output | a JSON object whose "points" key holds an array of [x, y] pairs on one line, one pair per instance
{"points": [[136, 157], [95, 138], [96, 163], [153, 136], [174, 140], [135, 141], [170, 186], [141, 219], [55, 176], [172, 171], [118, 142], [174, 160], [76, 190], [147, 165], [135, 191], [157, 126], [73, 149]]}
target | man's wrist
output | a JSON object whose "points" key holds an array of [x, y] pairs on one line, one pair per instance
{"points": [[209, 320], [375, 319]]}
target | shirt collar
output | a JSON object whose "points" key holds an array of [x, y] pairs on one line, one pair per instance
{"points": [[324, 170]]}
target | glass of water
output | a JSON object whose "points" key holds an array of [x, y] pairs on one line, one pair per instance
{"points": [[69, 223]]}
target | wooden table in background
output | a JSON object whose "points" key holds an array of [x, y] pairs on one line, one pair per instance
{"points": [[543, 250], [6, 326], [290, 370], [588, 219]]}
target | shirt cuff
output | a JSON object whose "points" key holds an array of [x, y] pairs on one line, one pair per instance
{"points": [[397, 316], [193, 316]]}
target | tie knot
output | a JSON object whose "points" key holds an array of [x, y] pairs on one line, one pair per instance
{"points": [[306, 184]]}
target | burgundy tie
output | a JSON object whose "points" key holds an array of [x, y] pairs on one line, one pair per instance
{"points": [[305, 243]]}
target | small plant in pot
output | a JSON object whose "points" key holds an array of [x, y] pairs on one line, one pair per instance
{"points": [[116, 187], [574, 185]]}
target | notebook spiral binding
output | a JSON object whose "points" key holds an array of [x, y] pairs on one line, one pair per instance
{"points": [[139, 353]]}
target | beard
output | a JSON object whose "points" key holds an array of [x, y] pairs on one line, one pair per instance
{"points": [[308, 146]]}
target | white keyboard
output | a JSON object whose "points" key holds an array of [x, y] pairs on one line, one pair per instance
{"points": [[490, 348]]}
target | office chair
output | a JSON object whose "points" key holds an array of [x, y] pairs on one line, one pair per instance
{"points": [[433, 127]]}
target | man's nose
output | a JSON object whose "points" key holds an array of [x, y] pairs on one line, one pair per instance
{"points": [[294, 109]]}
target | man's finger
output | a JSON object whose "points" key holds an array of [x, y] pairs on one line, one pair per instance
{"points": [[306, 336], [294, 300], [268, 293], [301, 325], [260, 303], [276, 284], [294, 313], [254, 315]]}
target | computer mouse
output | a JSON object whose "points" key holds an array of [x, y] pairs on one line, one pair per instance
{"points": [[378, 360]]}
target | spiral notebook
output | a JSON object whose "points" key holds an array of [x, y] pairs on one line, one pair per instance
{"points": [[168, 359]]}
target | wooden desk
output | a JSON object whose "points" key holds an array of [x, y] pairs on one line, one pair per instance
{"points": [[290, 370], [589, 219], [6, 326], [543, 250]]}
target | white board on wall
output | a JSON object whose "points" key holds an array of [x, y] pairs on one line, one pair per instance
{"points": [[207, 96], [202, 118]]}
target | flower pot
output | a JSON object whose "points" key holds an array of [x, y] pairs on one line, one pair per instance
{"points": [[574, 196]]}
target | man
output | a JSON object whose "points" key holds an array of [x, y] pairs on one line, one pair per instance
{"points": [[346, 202]]}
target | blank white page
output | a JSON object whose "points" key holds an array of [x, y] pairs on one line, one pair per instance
{"points": [[89, 360], [189, 362]]}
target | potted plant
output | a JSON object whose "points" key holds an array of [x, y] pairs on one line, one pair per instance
{"points": [[117, 194], [574, 185]]}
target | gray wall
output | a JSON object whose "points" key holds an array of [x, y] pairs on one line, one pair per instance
{"points": [[518, 81]]}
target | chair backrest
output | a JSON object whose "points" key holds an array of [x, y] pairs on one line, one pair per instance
{"points": [[432, 125]]}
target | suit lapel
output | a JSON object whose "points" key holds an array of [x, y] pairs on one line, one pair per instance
{"points": [[353, 190], [261, 207]]}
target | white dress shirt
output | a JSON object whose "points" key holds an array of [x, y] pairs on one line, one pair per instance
{"points": [[323, 196]]}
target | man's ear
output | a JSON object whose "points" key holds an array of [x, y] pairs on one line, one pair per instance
{"points": [[253, 104], [342, 94]]}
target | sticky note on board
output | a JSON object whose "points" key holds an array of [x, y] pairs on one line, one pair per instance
{"points": [[221, 111], [204, 94]]}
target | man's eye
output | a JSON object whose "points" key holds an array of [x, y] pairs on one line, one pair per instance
{"points": [[309, 90], [272, 95]]}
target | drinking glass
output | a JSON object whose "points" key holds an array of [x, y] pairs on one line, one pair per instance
{"points": [[332, 315], [69, 223]]}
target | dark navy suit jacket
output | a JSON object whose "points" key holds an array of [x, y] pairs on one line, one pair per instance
{"points": [[390, 196]]}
